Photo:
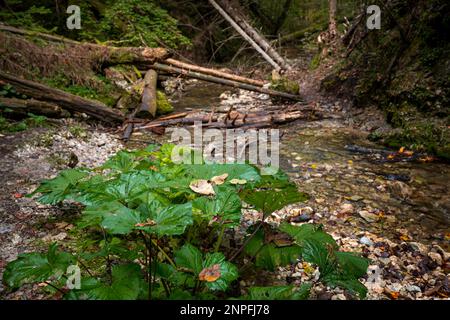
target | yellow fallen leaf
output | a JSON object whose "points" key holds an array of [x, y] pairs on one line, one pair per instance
{"points": [[404, 237], [238, 181], [202, 187], [210, 274], [218, 180], [314, 166], [402, 149]]}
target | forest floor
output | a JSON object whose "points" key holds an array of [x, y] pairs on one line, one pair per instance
{"points": [[395, 213]]}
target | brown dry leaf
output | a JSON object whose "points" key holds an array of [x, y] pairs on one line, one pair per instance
{"points": [[202, 187], [147, 223], [153, 168], [210, 274], [218, 180]]}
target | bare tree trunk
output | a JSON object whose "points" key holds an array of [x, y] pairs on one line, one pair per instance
{"points": [[149, 99], [21, 108], [251, 35], [63, 99], [226, 82], [332, 12], [214, 72]]}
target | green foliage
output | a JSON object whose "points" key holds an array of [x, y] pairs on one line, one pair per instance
{"points": [[37, 267], [138, 23], [139, 207]]}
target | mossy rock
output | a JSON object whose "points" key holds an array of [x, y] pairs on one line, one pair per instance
{"points": [[163, 104], [285, 85]]}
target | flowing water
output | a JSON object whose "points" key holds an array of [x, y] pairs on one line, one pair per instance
{"points": [[409, 195]]}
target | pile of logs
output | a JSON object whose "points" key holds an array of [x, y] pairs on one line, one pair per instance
{"points": [[53, 102], [230, 119]]}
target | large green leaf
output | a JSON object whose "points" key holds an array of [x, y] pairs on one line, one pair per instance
{"points": [[121, 220], [268, 255], [113, 216], [123, 162], [132, 185], [228, 271], [337, 279], [60, 188], [171, 220], [234, 171], [321, 254], [126, 284], [352, 264], [226, 206], [37, 267], [271, 200], [189, 258], [280, 292], [307, 232]]}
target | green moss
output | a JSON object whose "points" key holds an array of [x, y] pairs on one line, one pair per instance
{"points": [[163, 104], [315, 62], [101, 90], [285, 85], [33, 121]]}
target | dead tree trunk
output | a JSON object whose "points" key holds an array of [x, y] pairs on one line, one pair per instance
{"points": [[63, 99], [21, 108], [149, 99], [332, 14], [234, 84], [214, 72], [256, 36], [248, 33]]}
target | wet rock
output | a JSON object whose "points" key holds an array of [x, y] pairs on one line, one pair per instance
{"points": [[346, 208], [356, 198], [301, 218], [400, 189], [413, 288], [436, 257], [369, 217], [366, 241]]}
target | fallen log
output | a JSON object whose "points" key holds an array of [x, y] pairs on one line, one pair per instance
{"points": [[230, 83], [213, 72], [238, 120], [102, 54], [21, 108], [63, 99], [148, 104]]}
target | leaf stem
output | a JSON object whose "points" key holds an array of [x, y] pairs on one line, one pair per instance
{"points": [[219, 240], [237, 253], [172, 263]]}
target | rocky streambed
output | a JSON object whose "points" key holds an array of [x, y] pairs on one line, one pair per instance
{"points": [[395, 213]]}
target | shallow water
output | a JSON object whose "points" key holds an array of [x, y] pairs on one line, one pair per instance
{"points": [[314, 154]]}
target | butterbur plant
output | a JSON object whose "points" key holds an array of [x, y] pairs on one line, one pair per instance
{"points": [[153, 229]]}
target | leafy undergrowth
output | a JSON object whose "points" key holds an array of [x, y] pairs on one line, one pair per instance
{"points": [[154, 229]]}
